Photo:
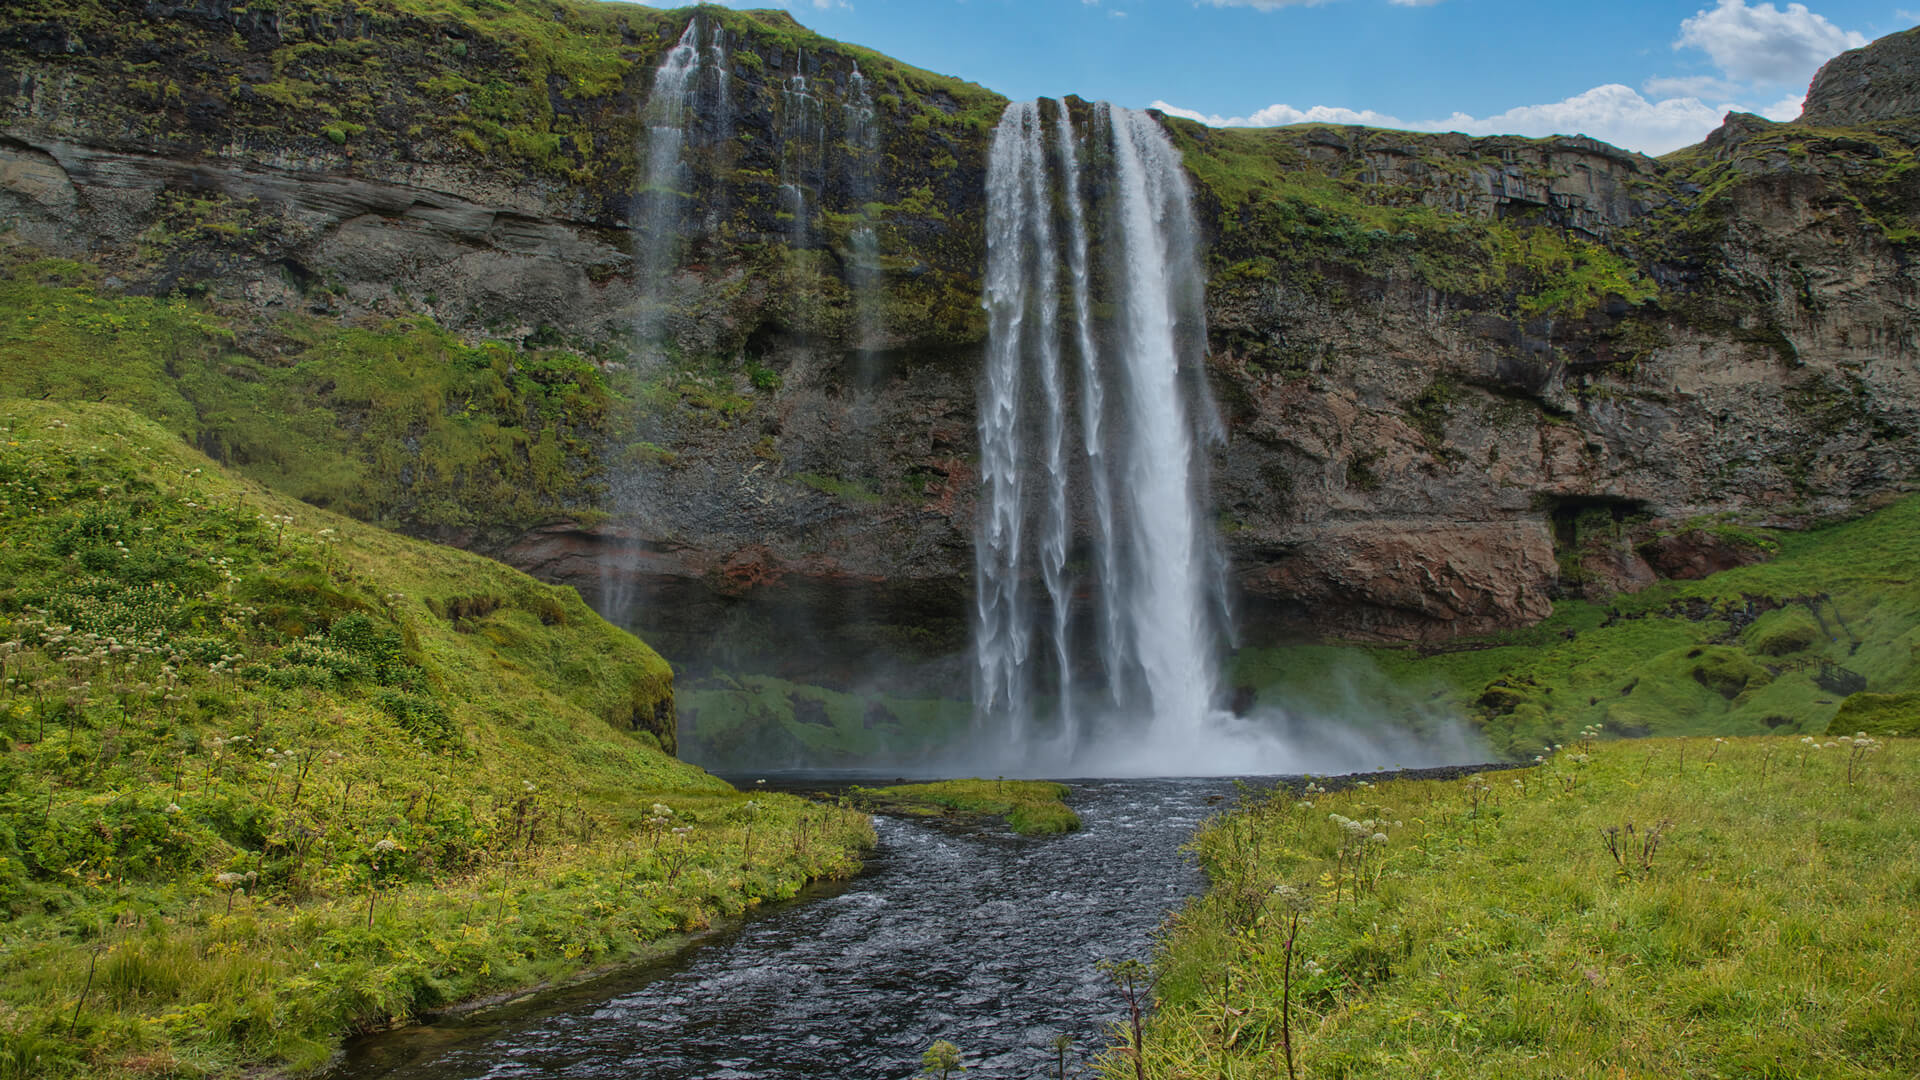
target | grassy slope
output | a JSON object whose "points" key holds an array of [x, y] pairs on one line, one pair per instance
{"points": [[1031, 807], [1494, 936], [284, 776], [1667, 661]]}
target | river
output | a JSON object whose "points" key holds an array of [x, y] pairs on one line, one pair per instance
{"points": [[962, 932]]}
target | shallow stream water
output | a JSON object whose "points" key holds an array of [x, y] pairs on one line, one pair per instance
{"points": [[959, 932]]}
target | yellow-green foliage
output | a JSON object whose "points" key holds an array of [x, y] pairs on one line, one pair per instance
{"points": [[399, 424], [286, 776], [1662, 662], [1486, 932], [1031, 807]]}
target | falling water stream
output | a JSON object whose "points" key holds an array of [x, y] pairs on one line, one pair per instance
{"points": [[958, 932], [1132, 497]]}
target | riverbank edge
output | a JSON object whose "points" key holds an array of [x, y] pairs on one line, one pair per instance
{"points": [[476, 1009]]}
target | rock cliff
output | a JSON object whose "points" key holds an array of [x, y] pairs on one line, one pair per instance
{"points": [[1458, 376]]}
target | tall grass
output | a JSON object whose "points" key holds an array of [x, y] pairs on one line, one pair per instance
{"points": [[1489, 933]]}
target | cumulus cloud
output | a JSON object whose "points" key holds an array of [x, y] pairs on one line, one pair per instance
{"points": [[1764, 44], [1613, 113], [1757, 48], [1276, 115]]}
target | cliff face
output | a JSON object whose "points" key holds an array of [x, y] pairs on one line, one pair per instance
{"points": [[1457, 374]]}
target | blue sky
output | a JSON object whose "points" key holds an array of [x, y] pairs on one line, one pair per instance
{"points": [[1652, 75]]}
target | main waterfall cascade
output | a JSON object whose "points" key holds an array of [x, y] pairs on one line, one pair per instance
{"points": [[1135, 481], [1101, 606]]}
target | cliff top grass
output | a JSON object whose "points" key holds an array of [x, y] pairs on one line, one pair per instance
{"points": [[1278, 204], [1672, 907], [270, 776], [1030, 807]]}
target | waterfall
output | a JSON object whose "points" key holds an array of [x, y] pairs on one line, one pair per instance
{"points": [[1133, 494], [658, 224], [680, 94], [863, 242], [802, 149]]}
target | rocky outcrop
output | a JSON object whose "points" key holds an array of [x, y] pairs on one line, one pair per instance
{"points": [[1870, 85], [1435, 355]]}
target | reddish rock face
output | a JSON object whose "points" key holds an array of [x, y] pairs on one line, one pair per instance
{"points": [[1410, 580], [1697, 553]]}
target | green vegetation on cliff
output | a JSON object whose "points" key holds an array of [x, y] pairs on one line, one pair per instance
{"points": [[1649, 909], [1030, 807], [270, 776], [400, 423], [1776, 647], [1285, 215]]}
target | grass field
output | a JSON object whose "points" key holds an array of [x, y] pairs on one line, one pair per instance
{"points": [[1669, 907]]}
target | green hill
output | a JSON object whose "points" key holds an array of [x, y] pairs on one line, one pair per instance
{"points": [[270, 775]]}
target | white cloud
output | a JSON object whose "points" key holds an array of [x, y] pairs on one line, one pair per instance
{"points": [[1277, 115], [1615, 114], [1764, 44], [1757, 48], [1787, 108], [1612, 113]]}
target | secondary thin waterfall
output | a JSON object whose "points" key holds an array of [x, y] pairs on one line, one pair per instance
{"points": [[691, 84], [661, 225], [658, 222], [1129, 501], [863, 243]]}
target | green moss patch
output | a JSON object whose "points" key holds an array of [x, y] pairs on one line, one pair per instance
{"points": [[399, 423], [1030, 807]]}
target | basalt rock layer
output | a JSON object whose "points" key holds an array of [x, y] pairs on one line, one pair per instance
{"points": [[1457, 376]]}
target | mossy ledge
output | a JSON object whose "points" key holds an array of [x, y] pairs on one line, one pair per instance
{"points": [[1030, 807], [271, 776]]}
